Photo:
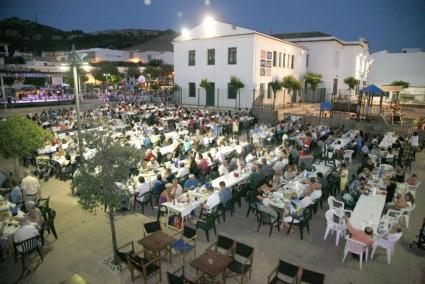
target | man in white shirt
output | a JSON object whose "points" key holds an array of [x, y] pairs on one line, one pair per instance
{"points": [[183, 171], [30, 187], [212, 201], [222, 170], [141, 188], [25, 232]]}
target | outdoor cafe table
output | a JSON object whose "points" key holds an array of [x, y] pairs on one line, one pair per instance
{"points": [[345, 140], [157, 241], [230, 179], [388, 140], [212, 263], [368, 211]]}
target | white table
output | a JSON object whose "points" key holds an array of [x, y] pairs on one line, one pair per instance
{"points": [[368, 211], [345, 140], [388, 140], [230, 179]]}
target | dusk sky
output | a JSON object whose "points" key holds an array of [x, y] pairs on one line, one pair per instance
{"points": [[387, 24]]}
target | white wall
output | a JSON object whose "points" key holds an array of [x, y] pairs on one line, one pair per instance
{"points": [[166, 56], [388, 67], [263, 43], [220, 72]]}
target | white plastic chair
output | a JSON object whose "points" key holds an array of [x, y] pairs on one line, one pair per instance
{"points": [[386, 244], [331, 226], [338, 206], [356, 247], [256, 139], [348, 154], [388, 220], [406, 214]]}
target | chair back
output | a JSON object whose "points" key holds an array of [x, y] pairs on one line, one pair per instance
{"points": [[312, 277], [243, 250], [354, 246], [335, 204], [224, 242], [29, 245], [43, 204], [189, 232], [152, 227], [287, 269], [144, 197], [174, 279]]}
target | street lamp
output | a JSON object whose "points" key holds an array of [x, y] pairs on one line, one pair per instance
{"points": [[74, 62], [106, 81]]}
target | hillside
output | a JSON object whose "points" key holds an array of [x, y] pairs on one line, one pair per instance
{"points": [[28, 36]]}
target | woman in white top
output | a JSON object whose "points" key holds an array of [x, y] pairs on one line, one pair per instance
{"points": [[176, 189]]}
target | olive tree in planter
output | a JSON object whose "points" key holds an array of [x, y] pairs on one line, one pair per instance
{"points": [[96, 180], [236, 84], [20, 137], [312, 79], [351, 82], [276, 86]]}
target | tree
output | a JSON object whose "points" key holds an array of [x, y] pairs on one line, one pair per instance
{"points": [[155, 88], [313, 79], [20, 137], [96, 180], [351, 82], [205, 84], [292, 84], [176, 89], [402, 83], [276, 86], [236, 84], [133, 72]]}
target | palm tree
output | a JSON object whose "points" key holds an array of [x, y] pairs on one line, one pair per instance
{"points": [[236, 84], [276, 86], [292, 84], [313, 79]]}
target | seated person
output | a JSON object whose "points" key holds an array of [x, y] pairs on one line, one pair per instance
{"points": [[152, 164], [222, 169], [165, 195], [25, 232], [183, 171], [401, 202], [225, 193], [176, 189], [169, 176], [365, 236], [212, 201], [255, 178], [412, 180], [16, 194], [314, 189], [141, 188], [191, 183], [158, 185], [290, 172], [34, 214]]}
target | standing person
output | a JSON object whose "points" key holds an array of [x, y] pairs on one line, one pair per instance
{"points": [[30, 187], [414, 143]]}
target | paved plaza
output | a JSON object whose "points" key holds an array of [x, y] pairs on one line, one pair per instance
{"points": [[84, 241]]}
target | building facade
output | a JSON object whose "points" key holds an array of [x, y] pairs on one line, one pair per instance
{"points": [[334, 59], [216, 51]]}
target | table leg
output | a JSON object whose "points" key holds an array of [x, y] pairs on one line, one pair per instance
{"points": [[224, 276]]}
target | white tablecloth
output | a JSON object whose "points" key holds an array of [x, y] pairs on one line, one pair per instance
{"points": [[368, 211], [345, 140], [388, 140], [230, 179]]}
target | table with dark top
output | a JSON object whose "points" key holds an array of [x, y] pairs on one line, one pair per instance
{"points": [[212, 263], [156, 242]]}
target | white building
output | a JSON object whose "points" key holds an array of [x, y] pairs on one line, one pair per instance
{"points": [[334, 58], [216, 51], [103, 54], [166, 56], [408, 65]]}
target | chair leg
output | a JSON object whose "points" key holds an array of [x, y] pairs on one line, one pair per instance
{"points": [[259, 224], [208, 235], [326, 233], [337, 238], [271, 229], [54, 232], [345, 255], [373, 252], [301, 228], [389, 255], [361, 260]]}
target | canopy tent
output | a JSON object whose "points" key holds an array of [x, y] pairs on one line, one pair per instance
{"points": [[374, 91]]}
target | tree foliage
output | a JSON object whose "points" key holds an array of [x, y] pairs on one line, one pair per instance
{"points": [[176, 88], [236, 83], [276, 85], [205, 84], [291, 83], [313, 79], [351, 82], [20, 137], [133, 71], [402, 83]]}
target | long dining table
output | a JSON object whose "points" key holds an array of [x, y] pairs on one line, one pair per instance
{"points": [[368, 211]]}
